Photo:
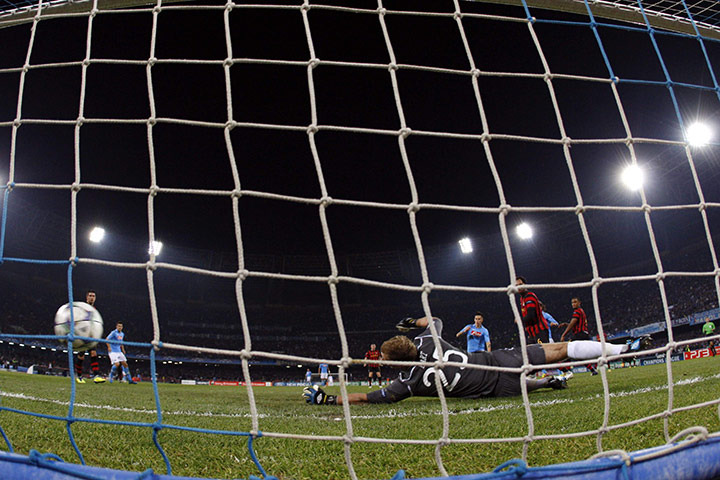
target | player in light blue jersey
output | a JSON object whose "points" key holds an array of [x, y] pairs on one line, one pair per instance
{"points": [[308, 377], [116, 352], [552, 323], [323, 370], [478, 337]]}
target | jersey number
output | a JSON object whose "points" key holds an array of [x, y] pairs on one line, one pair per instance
{"points": [[443, 379]]}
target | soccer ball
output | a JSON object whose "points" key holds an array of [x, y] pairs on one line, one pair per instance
{"points": [[88, 323]]}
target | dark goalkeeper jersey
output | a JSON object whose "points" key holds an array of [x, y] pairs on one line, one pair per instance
{"points": [[457, 381]]}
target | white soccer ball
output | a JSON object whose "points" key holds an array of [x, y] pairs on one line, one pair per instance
{"points": [[88, 323]]}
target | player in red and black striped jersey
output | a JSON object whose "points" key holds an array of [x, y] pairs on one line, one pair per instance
{"points": [[536, 327], [373, 368], [578, 326]]}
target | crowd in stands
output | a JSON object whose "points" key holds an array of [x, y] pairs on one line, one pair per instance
{"points": [[309, 329]]}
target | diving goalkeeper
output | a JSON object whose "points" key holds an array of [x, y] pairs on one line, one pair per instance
{"points": [[459, 381]]}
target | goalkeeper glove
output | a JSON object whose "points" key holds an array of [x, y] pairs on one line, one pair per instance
{"points": [[317, 396], [406, 324]]}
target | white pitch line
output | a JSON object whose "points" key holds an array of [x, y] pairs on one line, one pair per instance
{"points": [[394, 413]]}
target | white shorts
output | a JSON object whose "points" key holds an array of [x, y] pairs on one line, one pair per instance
{"points": [[323, 376], [117, 357]]}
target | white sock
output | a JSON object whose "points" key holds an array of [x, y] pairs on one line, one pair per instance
{"points": [[584, 349]]}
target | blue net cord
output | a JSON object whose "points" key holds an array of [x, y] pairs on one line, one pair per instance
{"points": [[158, 425], [71, 363]]}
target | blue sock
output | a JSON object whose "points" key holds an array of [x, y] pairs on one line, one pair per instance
{"points": [[126, 372], [112, 373]]}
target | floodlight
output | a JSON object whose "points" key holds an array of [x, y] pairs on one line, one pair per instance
{"points": [[633, 177], [97, 234], [524, 231], [698, 134], [465, 245], [155, 247]]}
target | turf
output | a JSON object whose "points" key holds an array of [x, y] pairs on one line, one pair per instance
{"points": [[635, 393]]}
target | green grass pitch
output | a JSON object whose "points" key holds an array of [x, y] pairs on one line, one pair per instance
{"points": [[635, 393]]}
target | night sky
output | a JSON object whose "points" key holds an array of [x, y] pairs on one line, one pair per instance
{"points": [[357, 166]]}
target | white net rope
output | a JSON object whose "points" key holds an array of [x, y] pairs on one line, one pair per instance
{"points": [[471, 74]]}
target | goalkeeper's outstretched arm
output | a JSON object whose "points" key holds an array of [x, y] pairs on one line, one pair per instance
{"points": [[316, 396]]}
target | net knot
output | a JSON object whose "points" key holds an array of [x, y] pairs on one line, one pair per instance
{"points": [[443, 442], [485, 137], [152, 121], [579, 209], [413, 207], [242, 274], [245, 355], [75, 187], [80, 121], [392, 67], [17, 123], [153, 191], [347, 439], [659, 276], [326, 201], [10, 186], [381, 10], [646, 208], [152, 61], [157, 427], [515, 466], [567, 141], [305, 7], [405, 132], [346, 362], [314, 62], [230, 6], [86, 62], [547, 77], [150, 266], [427, 287], [333, 280], [157, 9], [629, 141], [505, 209], [596, 282], [615, 79], [702, 207], [228, 62], [74, 261], [457, 15], [312, 129], [230, 124], [237, 193], [475, 72]]}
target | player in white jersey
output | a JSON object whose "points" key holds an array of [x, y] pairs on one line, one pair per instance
{"points": [[116, 352]]}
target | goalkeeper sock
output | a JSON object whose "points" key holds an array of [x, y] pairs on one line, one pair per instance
{"points": [[78, 367], [94, 366], [584, 349]]}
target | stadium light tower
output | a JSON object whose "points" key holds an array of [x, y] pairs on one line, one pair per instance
{"points": [[97, 234], [465, 245], [524, 231], [698, 134], [155, 247], [633, 177]]}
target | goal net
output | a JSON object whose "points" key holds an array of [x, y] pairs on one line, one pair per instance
{"points": [[279, 183]]}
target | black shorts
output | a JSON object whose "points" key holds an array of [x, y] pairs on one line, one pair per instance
{"points": [[542, 337], [581, 336], [376, 370], [508, 384]]}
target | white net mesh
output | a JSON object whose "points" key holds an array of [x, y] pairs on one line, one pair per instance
{"points": [[364, 121]]}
